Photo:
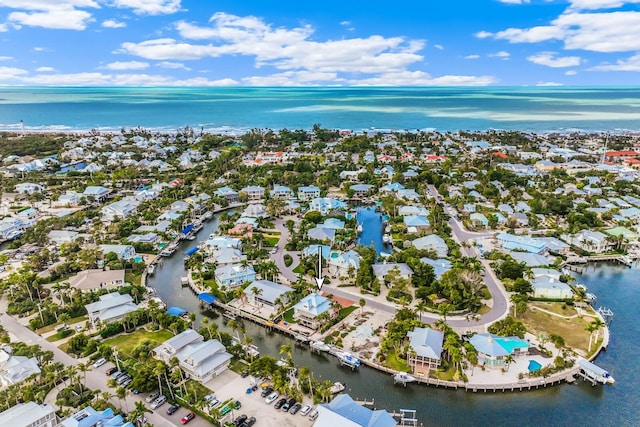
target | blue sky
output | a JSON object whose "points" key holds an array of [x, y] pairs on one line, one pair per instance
{"points": [[329, 42]]}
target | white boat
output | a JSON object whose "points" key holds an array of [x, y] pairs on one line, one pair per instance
{"points": [[348, 359], [191, 237], [595, 372], [359, 228], [403, 378], [320, 346], [283, 362], [151, 270], [336, 388], [386, 238]]}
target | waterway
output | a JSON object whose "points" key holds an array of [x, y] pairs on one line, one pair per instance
{"points": [[617, 287], [371, 234]]}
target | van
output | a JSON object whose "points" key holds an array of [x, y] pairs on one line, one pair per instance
{"points": [[158, 402]]}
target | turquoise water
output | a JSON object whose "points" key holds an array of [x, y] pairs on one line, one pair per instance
{"points": [[534, 109], [534, 366], [371, 234]]}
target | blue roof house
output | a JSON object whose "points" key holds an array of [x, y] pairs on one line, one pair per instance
{"points": [[426, 346], [416, 222], [343, 411], [344, 264], [511, 242], [89, 417], [493, 349], [308, 310], [234, 275]]}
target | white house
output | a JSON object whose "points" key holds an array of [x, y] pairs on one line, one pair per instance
{"points": [[59, 237], [110, 307], [344, 264], [281, 192], [124, 252], [426, 349], [70, 198], [15, 369], [253, 192], [308, 192], [120, 209], [309, 308], [381, 270], [29, 188], [266, 292], [234, 275], [29, 414], [591, 241], [97, 192], [432, 242], [550, 287]]}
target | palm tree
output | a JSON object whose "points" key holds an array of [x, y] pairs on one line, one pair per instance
{"points": [[508, 360], [139, 411], [444, 310], [362, 302], [590, 328], [122, 392], [598, 324], [421, 306]]}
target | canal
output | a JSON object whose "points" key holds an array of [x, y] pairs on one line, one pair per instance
{"points": [[616, 287], [372, 229]]}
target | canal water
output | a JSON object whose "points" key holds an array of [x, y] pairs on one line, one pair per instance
{"points": [[371, 222], [616, 287]]}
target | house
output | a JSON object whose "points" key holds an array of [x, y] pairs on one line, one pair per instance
{"points": [[345, 264], [531, 260], [312, 250], [218, 242], [227, 193], [343, 411], [326, 204], [511, 242], [234, 275], [440, 266], [58, 237], [89, 417], [321, 233], [361, 190], [556, 246], [434, 243], [381, 270], [255, 210], [550, 287], [590, 241], [10, 228], [92, 280], [308, 310], [408, 194], [201, 359], [393, 187], [351, 175], [413, 210], [15, 369], [479, 220], [97, 193], [29, 188], [426, 348], [120, 209], [267, 293], [124, 252], [308, 192], [147, 238], [416, 223], [493, 350], [29, 414], [70, 198], [226, 256], [333, 223], [253, 192], [281, 192], [110, 308]]}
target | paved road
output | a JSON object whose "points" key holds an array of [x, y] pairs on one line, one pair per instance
{"points": [[95, 379], [278, 256]]}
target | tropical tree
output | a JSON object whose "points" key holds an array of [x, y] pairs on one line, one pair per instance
{"points": [[591, 328], [362, 302]]}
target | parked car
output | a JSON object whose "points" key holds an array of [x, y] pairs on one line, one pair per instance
{"points": [[209, 397], [172, 409], [239, 420], [119, 374], [237, 405], [158, 402], [248, 423], [288, 404], [78, 328], [99, 362], [126, 382], [187, 418], [313, 414], [273, 396], [280, 403], [244, 374], [111, 370], [305, 410], [153, 396], [212, 404], [124, 378], [295, 408], [266, 392]]}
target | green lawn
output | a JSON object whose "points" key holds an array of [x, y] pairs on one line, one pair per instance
{"points": [[271, 241], [344, 312], [60, 335], [71, 321], [238, 366], [396, 363], [134, 279], [288, 316], [127, 342], [298, 269]]}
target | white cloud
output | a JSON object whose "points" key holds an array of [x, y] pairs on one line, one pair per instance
{"points": [[629, 64], [549, 59], [45, 69], [514, 1], [502, 55], [10, 73], [438, 46], [599, 32], [6, 58], [472, 57], [570, 73], [40, 49], [345, 23], [4, 28], [52, 14], [599, 4], [96, 79], [420, 78], [549, 84], [150, 7], [165, 49], [173, 65], [112, 23], [292, 78], [127, 65]]}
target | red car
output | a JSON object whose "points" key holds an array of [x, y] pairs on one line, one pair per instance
{"points": [[188, 418]]}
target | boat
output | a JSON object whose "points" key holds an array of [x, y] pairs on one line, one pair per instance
{"points": [[207, 215], [403, 378], [359, 228], [348, 359], [386, 238], [191, 237], [151, 269], [320, 346], [283, 362], [337, 387], [250, 349], [184, 281], [594, 372]]}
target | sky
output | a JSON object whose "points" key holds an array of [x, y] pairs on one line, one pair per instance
{"points": [[310, 43]]}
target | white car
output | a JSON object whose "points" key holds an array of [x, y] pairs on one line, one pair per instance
{"points": [[158, 402], [99, 362], [273, 396], [153, 396], [305, 410]]}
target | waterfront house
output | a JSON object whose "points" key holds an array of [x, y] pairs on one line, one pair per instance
{"points": [[416, 223], [440, 266], [308, 192], [493, 349], [590, 241], [202, 360], [219, 242], [267, 293], [425, 349], [147, 238], [512, 242], [95, 279], [234, 275], [532, 260], [345, 264], [253, 192], [550, 287], [382, 270], [227, 193], [96, 193], [255, 210], [307, 312], [124, 252], [434, 243], [58, 237], [110, 307], [361, 190], [29, 414], [10, 228], [321, 233], [326, 204], [226, 256], [89, 417], [120, 209], [343, 411], [413, 210], [281, 192]]}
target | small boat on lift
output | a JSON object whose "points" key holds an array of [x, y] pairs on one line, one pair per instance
{"points": [[151, 270], [403, 378], [320, 346], [337, 387]]}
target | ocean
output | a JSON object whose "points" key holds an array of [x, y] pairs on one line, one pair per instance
{"points": [[238, 109]]}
